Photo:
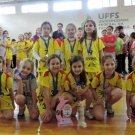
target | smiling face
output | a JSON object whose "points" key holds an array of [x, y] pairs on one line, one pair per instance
{"points": [[89, 28], [46, 30], [54, 65], [70, 30], [77, 68]]}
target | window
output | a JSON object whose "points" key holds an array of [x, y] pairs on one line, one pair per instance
{"points": [[129, 2], [7, 10], [34, 8], [101, 3], [70, 5]]}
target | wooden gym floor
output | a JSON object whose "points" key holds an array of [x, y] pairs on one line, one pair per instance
{"points": [[118, 125]]}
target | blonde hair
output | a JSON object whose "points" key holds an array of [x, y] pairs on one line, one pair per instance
{"points": [[133, 63], [71, 24], [28, 60]]}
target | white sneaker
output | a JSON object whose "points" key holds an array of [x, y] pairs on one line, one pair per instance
{"points": [[89, 115]]}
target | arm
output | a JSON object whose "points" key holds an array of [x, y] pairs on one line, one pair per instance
{"points": [[94, 92], [128, 99], [110, 44], [46, 98], [20, 87], [12, 96], [34, 99], [82, 91], [101, 54]]}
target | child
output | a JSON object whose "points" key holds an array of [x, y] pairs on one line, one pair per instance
{"points": [[6, 93], [26, 90], [43, 48], [118, 49], [104, 32], [9, 49], [106, 87], [109, 41], [70, 47], [21, 49], [130, 93], [132, 37], [52, 83], [77, 83], [79, 32], [92, 49]]}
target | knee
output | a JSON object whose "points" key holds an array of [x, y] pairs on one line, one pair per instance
{"points": [[133, 101], [69, 97], [88, 93], [9, 116], [99, 117], [34, 116], [118, 93], [46, 120], [20, 100]]}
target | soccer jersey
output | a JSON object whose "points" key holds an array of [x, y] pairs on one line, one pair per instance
{"points": [[130, 82], [6, 83], [109, 39], [70, 82], [42, 51], [92, 63], [30, 43], [49, 82], [8, 50], [98, 81], [119, 45], [68, 52], [58, 45]]}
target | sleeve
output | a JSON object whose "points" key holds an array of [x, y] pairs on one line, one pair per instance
{"points": [[9, 83], [129, 84], [45, 80], [103, 40], [121, 43], [63, 79], [36, 56], [100, 44], [115, 39], [36, 46], [120, 83], [67, 84], [33, 84], [95, 82], [79, 46]]}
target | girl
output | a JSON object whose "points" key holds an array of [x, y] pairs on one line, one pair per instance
{"points": [[77, 83], [130, 93], [21, 49], [9, 49], [6, 93], [70, 47], [26, 89], [52, 82], [92, 49], [43, 48], [106, 87]]}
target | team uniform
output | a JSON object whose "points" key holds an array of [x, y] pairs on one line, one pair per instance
{"points": [[6, 83], [58, 46], [21, 46], [29, 84], [69, 49], [8, 50], [48, 82], [109, 39], [98, 82], [130, 83], [2, 49], [92, 59], [70, 84], [43, 50]]}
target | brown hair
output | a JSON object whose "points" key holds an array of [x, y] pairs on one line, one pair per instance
{"points": [[71, 24], [52, 57]]}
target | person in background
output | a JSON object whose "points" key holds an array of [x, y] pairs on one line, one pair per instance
{"points": [[79, 32], [134, 27], [55, 33], [104, 32], [38, 34], [30, 36]]}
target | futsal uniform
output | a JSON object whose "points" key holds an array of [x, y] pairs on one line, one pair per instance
{"points": [[21, 46], [2, 49], [40, 50], [130, 83], [29, 53], [48, 81], [6, 83], [91, 56], [8, 50], [58, 46], [69, 49], [99, 83]]}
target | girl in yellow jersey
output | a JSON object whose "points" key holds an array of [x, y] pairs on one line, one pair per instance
{"points": [[43, 48], [71, 46], [52, 82], [21, 51], [130, 93], [92, 49], [77, 84], [106, 87], [9, 49]]}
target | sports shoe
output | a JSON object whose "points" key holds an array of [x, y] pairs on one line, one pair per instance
{"points": [[110, 112], [21, 113], [89, 115]]}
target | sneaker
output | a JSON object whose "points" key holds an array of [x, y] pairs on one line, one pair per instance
{"points": [[133, 111], [89, 115], [20, 116], [110, 112]]}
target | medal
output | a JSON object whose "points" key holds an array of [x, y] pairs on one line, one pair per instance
{"points": [[72, 54], [72, 47]]}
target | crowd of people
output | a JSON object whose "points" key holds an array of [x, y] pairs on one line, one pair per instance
{"points": [[77, 65]]}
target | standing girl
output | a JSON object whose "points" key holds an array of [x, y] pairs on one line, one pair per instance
{"points": [[70, 47], [92, 49], [6, 93], [26, 89], [106, 87], [43, 48], [77, 84], [52, 82], [21, 49]]}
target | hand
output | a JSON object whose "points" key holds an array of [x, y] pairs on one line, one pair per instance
{"points": [[81, 91], [79, 97], [108, 89], [46, 115], [34, 110], [129, 113], [17, 77], [99, 101], [53, 102], [42, 60]]}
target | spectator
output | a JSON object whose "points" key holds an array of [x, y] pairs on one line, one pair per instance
{"points": [[38, 34]]}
